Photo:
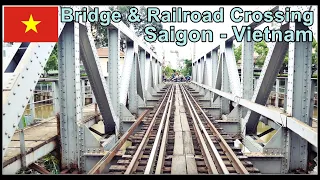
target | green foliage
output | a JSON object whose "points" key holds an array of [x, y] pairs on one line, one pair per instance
{"points": [[124, 10], [52, 63], [168, 71], [187, 67], [261, 49], [140, 26], [101, 36], [51, 163], [237, 52], [315, 53]]}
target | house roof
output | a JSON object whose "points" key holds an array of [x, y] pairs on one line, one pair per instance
{"points": [[103, 52]]}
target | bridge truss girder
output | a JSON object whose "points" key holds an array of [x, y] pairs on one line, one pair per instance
{"points": [[289, 147], [76, 43]]}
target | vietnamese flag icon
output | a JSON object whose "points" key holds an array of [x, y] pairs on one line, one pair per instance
{"points": [[30, 23]]}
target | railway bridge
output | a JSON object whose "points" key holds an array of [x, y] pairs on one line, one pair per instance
{"points": [[138, 124]]}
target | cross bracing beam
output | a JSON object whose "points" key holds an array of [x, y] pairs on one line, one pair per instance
{"points": [[232, 68], [142, 67], [266, 80], [302, 129], [92, 66], [126, 72], [139, 77], [136, 92]]}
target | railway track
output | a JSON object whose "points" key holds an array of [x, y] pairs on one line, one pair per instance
{"points": [[178, 137]]}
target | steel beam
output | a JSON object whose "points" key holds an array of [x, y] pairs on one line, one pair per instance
{"points": [[266, 80], [140, 89], [205, 72], [24, 79], [69, 83], [209, 69], [218, 79], [159, 73], [299, 96], [214, 68], [56, 103], [232, 69], [126, 72], [113, 68], [225, 109], [247, 66], [133, 86], [302, 129], [91, 63], [142, 65]]}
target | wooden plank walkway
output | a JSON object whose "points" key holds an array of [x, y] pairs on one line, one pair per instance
{"points": [[183, 161], [38, 135]]}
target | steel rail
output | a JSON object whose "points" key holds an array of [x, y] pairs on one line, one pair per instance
{"points": [[164, 120], [212, 168], [163, 143], [239, 167], [99, 167], [138, 153]]}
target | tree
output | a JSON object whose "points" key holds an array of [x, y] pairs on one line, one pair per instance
{"points": [[124, 10], [168, 71], [140, 26], [101, 33], [52, 63], [261, 49], [186, 71], [237, 52]]}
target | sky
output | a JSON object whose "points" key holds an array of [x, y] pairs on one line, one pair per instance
{"points": [[217, 28]]}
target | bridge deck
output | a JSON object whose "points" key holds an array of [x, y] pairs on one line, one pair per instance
{"points": [[38, 135]]}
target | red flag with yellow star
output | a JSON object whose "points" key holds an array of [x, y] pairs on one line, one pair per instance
{"points": [[30, 24]]}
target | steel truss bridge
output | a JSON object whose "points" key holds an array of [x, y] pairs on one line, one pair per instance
{"points": [[177, 128]]}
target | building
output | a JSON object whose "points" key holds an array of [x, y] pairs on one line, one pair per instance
{"points": [[103, 54]]}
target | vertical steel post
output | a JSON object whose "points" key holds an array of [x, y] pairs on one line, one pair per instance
{"points": [[70, 93]]}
